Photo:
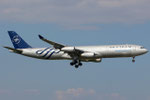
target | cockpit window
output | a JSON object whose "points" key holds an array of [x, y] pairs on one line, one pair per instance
{"points": [[142, 47]]}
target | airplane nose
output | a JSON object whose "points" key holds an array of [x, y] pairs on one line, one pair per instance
{"points": [[145, 51]]}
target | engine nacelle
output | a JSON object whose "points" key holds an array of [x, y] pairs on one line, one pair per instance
{"points": [[94, 60], [97, 60], [87, 55], [68, 49]]}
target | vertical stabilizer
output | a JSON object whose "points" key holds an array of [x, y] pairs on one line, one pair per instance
{"points": [[17, 41]]}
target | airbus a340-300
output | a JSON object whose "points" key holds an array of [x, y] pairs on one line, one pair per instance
{"points": [[77, 54]]}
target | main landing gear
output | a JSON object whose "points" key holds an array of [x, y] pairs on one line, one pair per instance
{"points": [[77, 63], [133, 60]]}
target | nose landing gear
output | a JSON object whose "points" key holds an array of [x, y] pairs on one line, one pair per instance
{"points": [[133, 60]]}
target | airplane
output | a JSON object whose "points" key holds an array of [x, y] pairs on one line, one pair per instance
{"points": [[77, 54]]}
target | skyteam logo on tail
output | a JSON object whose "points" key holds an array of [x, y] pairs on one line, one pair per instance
{"points": [[16, 39]]}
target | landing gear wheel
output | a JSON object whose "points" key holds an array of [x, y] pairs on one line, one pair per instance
{"points": [[76, 63], [133, 59], [80, 64], [76, 66], [71, 63]]}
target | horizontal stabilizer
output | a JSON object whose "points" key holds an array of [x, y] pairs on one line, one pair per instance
{"points": [[56, 45], [13, 50]]}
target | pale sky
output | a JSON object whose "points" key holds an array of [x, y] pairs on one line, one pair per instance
{"points": [[75, 22]]}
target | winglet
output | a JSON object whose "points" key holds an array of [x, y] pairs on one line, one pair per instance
{"points": [[41, 37]]}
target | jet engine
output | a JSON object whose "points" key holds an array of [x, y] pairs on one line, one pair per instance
{"points": [[87, 55], [97, 60], [68, 49], [94, 60]]}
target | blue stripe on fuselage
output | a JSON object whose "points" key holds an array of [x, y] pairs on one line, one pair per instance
{"points": [[41, 51], [47, 52], [50, 55]]}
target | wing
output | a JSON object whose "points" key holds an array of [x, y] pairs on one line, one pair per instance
{"points": [[72, 51], [76, 53], [55, 45]]}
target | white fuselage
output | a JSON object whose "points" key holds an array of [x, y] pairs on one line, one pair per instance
{"points": [[77, 54], [91, 52]]}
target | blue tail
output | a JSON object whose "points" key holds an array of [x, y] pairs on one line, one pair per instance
{"points": [[17, 41]]}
